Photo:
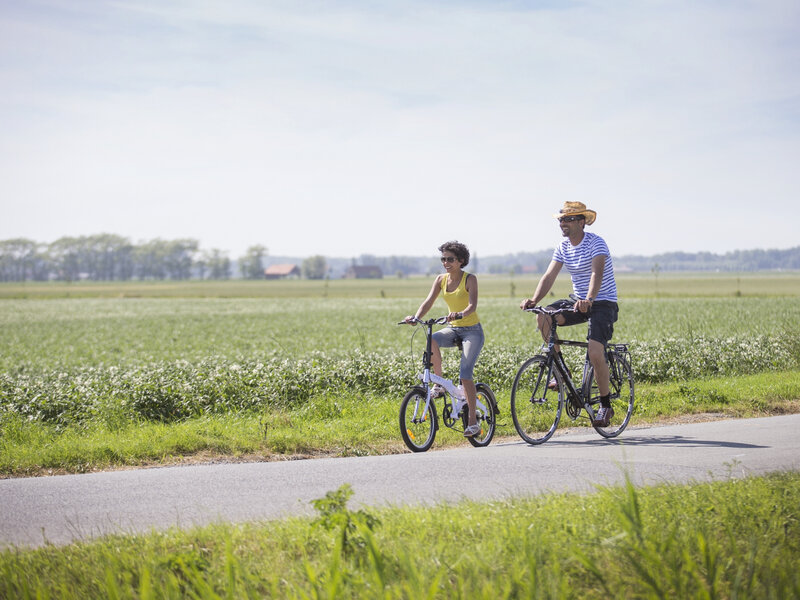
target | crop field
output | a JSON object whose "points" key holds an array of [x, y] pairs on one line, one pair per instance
{"points": [[114, 361]]}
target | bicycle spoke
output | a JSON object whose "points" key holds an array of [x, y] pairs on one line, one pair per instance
{"points": [[485, 416], [535, 407], [622, 397], [417, 426]]}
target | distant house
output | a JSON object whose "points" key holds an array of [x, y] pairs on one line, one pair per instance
{"points": [[281, 271], [363, 272]]}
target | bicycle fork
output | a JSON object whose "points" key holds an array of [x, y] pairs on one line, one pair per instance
{"points": [[425, 377]]}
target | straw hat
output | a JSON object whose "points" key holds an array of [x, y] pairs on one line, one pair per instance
{"points": [[577, 208]]}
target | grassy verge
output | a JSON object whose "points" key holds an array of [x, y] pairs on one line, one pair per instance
{"points": [[723, 539], [335, 425]]}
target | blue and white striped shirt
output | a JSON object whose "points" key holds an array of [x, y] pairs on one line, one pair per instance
{"points": [[578, 260]]}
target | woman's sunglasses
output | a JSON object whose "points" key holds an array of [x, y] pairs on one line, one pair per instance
{"points": [[448, 259]]}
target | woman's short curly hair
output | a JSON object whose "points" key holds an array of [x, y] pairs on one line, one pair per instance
{"points": [[457, 248]]}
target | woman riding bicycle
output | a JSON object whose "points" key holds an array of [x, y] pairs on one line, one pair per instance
{"points": [[460, 291]]}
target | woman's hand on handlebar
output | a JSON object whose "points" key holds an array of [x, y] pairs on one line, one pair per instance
{"points": [[410, 320]]}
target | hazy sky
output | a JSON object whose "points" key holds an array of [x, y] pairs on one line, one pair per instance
{"points": [[351, 127]]}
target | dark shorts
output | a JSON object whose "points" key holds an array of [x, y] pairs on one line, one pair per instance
{"points": [[601, 317]]}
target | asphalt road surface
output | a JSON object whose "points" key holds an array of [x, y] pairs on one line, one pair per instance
{"points": [[68, 508]]}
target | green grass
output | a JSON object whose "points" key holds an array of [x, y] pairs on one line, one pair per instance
{"points": [[737, 538], [334, 425], [678, 285]]}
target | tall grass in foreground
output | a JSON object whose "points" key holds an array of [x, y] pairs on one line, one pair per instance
{"points": [[727, 539]]}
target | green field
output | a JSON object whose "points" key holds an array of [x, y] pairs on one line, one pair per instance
{"points": [[209, 367], [630, 285]]}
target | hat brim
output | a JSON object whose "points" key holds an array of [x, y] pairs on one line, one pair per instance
{"points": [[590, 215]]}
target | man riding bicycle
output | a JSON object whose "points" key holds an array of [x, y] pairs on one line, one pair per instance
{"points": [[588, 262]]}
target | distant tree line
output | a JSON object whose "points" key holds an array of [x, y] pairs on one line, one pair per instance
{"points": [[400, 266], [737, 260], [108, 257]]}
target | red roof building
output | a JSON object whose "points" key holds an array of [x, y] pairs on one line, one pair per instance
{"points": [[282, 271]]}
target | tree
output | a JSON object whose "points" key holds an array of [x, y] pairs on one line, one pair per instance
{"points": [[66, 258], [179, 257], [251, 265], [114, 256], [149, 259], [315, 267], [217, 263], [21, 259]]}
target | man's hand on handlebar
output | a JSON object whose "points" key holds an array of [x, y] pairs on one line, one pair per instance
{"points": [[527, 303], [583, 305]]}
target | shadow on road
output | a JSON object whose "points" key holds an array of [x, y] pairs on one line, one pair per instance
{"points": [[670, 440]]}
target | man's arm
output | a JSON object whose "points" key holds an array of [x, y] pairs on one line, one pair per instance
{"points": [[545, 283]]}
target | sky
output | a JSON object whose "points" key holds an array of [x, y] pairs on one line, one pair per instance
{"points": [[352, 127]]}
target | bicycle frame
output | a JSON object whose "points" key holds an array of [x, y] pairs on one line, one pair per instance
{"points": [[427, 377], [580, 397]]}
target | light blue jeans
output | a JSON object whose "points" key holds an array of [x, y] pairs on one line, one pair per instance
{"points": [[471, 341]]}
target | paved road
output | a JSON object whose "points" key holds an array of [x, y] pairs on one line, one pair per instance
{"points": [[63, 509]]}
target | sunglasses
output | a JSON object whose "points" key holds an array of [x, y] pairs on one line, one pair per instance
{"points": [[448, 259], [570, 219]]}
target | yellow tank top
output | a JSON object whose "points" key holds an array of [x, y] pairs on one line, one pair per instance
{"points": [[458, 300]]}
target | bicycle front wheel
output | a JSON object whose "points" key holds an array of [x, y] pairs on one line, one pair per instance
{"points": [[417, 426], [621, 384], [486, 418], [535, 406]]}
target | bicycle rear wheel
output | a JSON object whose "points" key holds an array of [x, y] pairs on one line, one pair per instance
{"points": [[621, 387], [418, 432], [485, 419], [535, 407]]}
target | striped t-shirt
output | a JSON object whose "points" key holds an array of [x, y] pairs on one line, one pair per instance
{"points": [[578, 260]]}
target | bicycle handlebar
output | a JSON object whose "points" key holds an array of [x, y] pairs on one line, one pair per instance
{"points": [[543, 310], [415, 321]]}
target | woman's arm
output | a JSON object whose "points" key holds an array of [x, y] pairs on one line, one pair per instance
{"points": [[428, 302]]}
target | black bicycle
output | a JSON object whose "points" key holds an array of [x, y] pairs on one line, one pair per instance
{"points": [[418, 419], [543, 388]]}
